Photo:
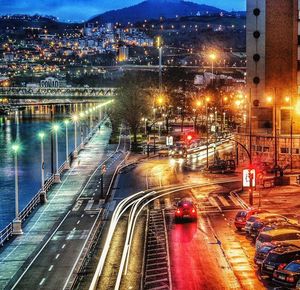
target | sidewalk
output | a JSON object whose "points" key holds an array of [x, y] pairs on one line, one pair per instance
{"points": [[60, 198], [280, 199]]}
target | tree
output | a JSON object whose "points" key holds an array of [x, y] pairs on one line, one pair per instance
{"points": [[133, 101]]}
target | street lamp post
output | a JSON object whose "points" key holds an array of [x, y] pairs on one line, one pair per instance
{"points": [[17, 224], [75, 120], [56, 175], [43, 194], [207, 134], [270, 100], [213, 57], [67, 166]]}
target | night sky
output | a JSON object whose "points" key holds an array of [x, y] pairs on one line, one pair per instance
{"points": [[78, 10]]}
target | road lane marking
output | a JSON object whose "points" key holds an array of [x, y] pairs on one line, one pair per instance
{"points": [[45, 244], [78, 222], [42, 281], [57, 256], [63, 246], [74, 229], [82, 215], [50, 268]]}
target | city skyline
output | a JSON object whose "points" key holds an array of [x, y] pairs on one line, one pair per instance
{"points": [[79, 10]]}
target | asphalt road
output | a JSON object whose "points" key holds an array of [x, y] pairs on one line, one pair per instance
{"points": [[53, 266]]}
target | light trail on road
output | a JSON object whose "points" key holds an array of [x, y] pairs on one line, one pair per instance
{"points": [[134, 201]]}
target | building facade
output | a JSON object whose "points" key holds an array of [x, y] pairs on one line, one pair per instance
{"points": [[273, 79]]}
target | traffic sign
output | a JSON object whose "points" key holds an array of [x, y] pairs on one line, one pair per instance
{"points": [[247, 175], [169, 141]]}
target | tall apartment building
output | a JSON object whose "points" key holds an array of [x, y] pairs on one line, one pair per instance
{"points": [[273, 79]]}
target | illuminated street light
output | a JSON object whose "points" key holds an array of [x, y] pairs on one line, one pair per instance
{"points": [[212, 57], [66, 122], [17, 224], [43, 195], [75, 119], [55, 129]]}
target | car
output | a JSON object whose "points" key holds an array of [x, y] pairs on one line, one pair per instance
{"points": [[283, 235], [222, 166], [264, 250], [289, 276], [258, 225], [278, 258], [242, 216], [186, 209], [252, 219]]}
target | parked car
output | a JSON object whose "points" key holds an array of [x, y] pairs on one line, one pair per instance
{"points": [[264, 250], [280, 221], [283, 235], [289, 276], [278, 258], [186, 209], [243, 215], [256, 217]]}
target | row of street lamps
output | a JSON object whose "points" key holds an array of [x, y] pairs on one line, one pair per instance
{"points": [[16, 147]]}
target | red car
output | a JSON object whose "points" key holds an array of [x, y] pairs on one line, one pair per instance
{"points": [[243, 215], [185, 210]]}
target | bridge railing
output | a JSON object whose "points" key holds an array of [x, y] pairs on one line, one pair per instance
{"points": [[6, 233]]}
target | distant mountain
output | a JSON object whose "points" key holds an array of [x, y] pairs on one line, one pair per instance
{"points": [[154, 9]]}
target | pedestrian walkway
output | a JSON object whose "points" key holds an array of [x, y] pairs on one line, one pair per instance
{"points": [[14, 256]]}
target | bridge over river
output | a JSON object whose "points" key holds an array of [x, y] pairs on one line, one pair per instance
{"points": [[57, 93]]}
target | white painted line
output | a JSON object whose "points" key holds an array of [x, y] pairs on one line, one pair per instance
{"points": [[45, 244], [42, 281], [50, 268], [223, 200], [234, 200], [57, 256], [89, 205], [78, 222], [74, 229], [82, 215], [63, 246]]}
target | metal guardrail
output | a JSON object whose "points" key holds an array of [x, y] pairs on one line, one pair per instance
{"points": [[6, 233]]}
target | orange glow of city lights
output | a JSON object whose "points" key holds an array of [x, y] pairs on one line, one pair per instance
{"points": [[269, 99]]}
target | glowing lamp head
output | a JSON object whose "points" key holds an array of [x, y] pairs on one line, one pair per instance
{"points": [[75, 118], [41, 135], [55, 128], [213, 56], [66, 121], [269, 99], [15, 148]]}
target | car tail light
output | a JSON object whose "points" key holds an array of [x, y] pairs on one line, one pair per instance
{"points": [[290, 279], [281, 266], [178, 211], [193, 210]]}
